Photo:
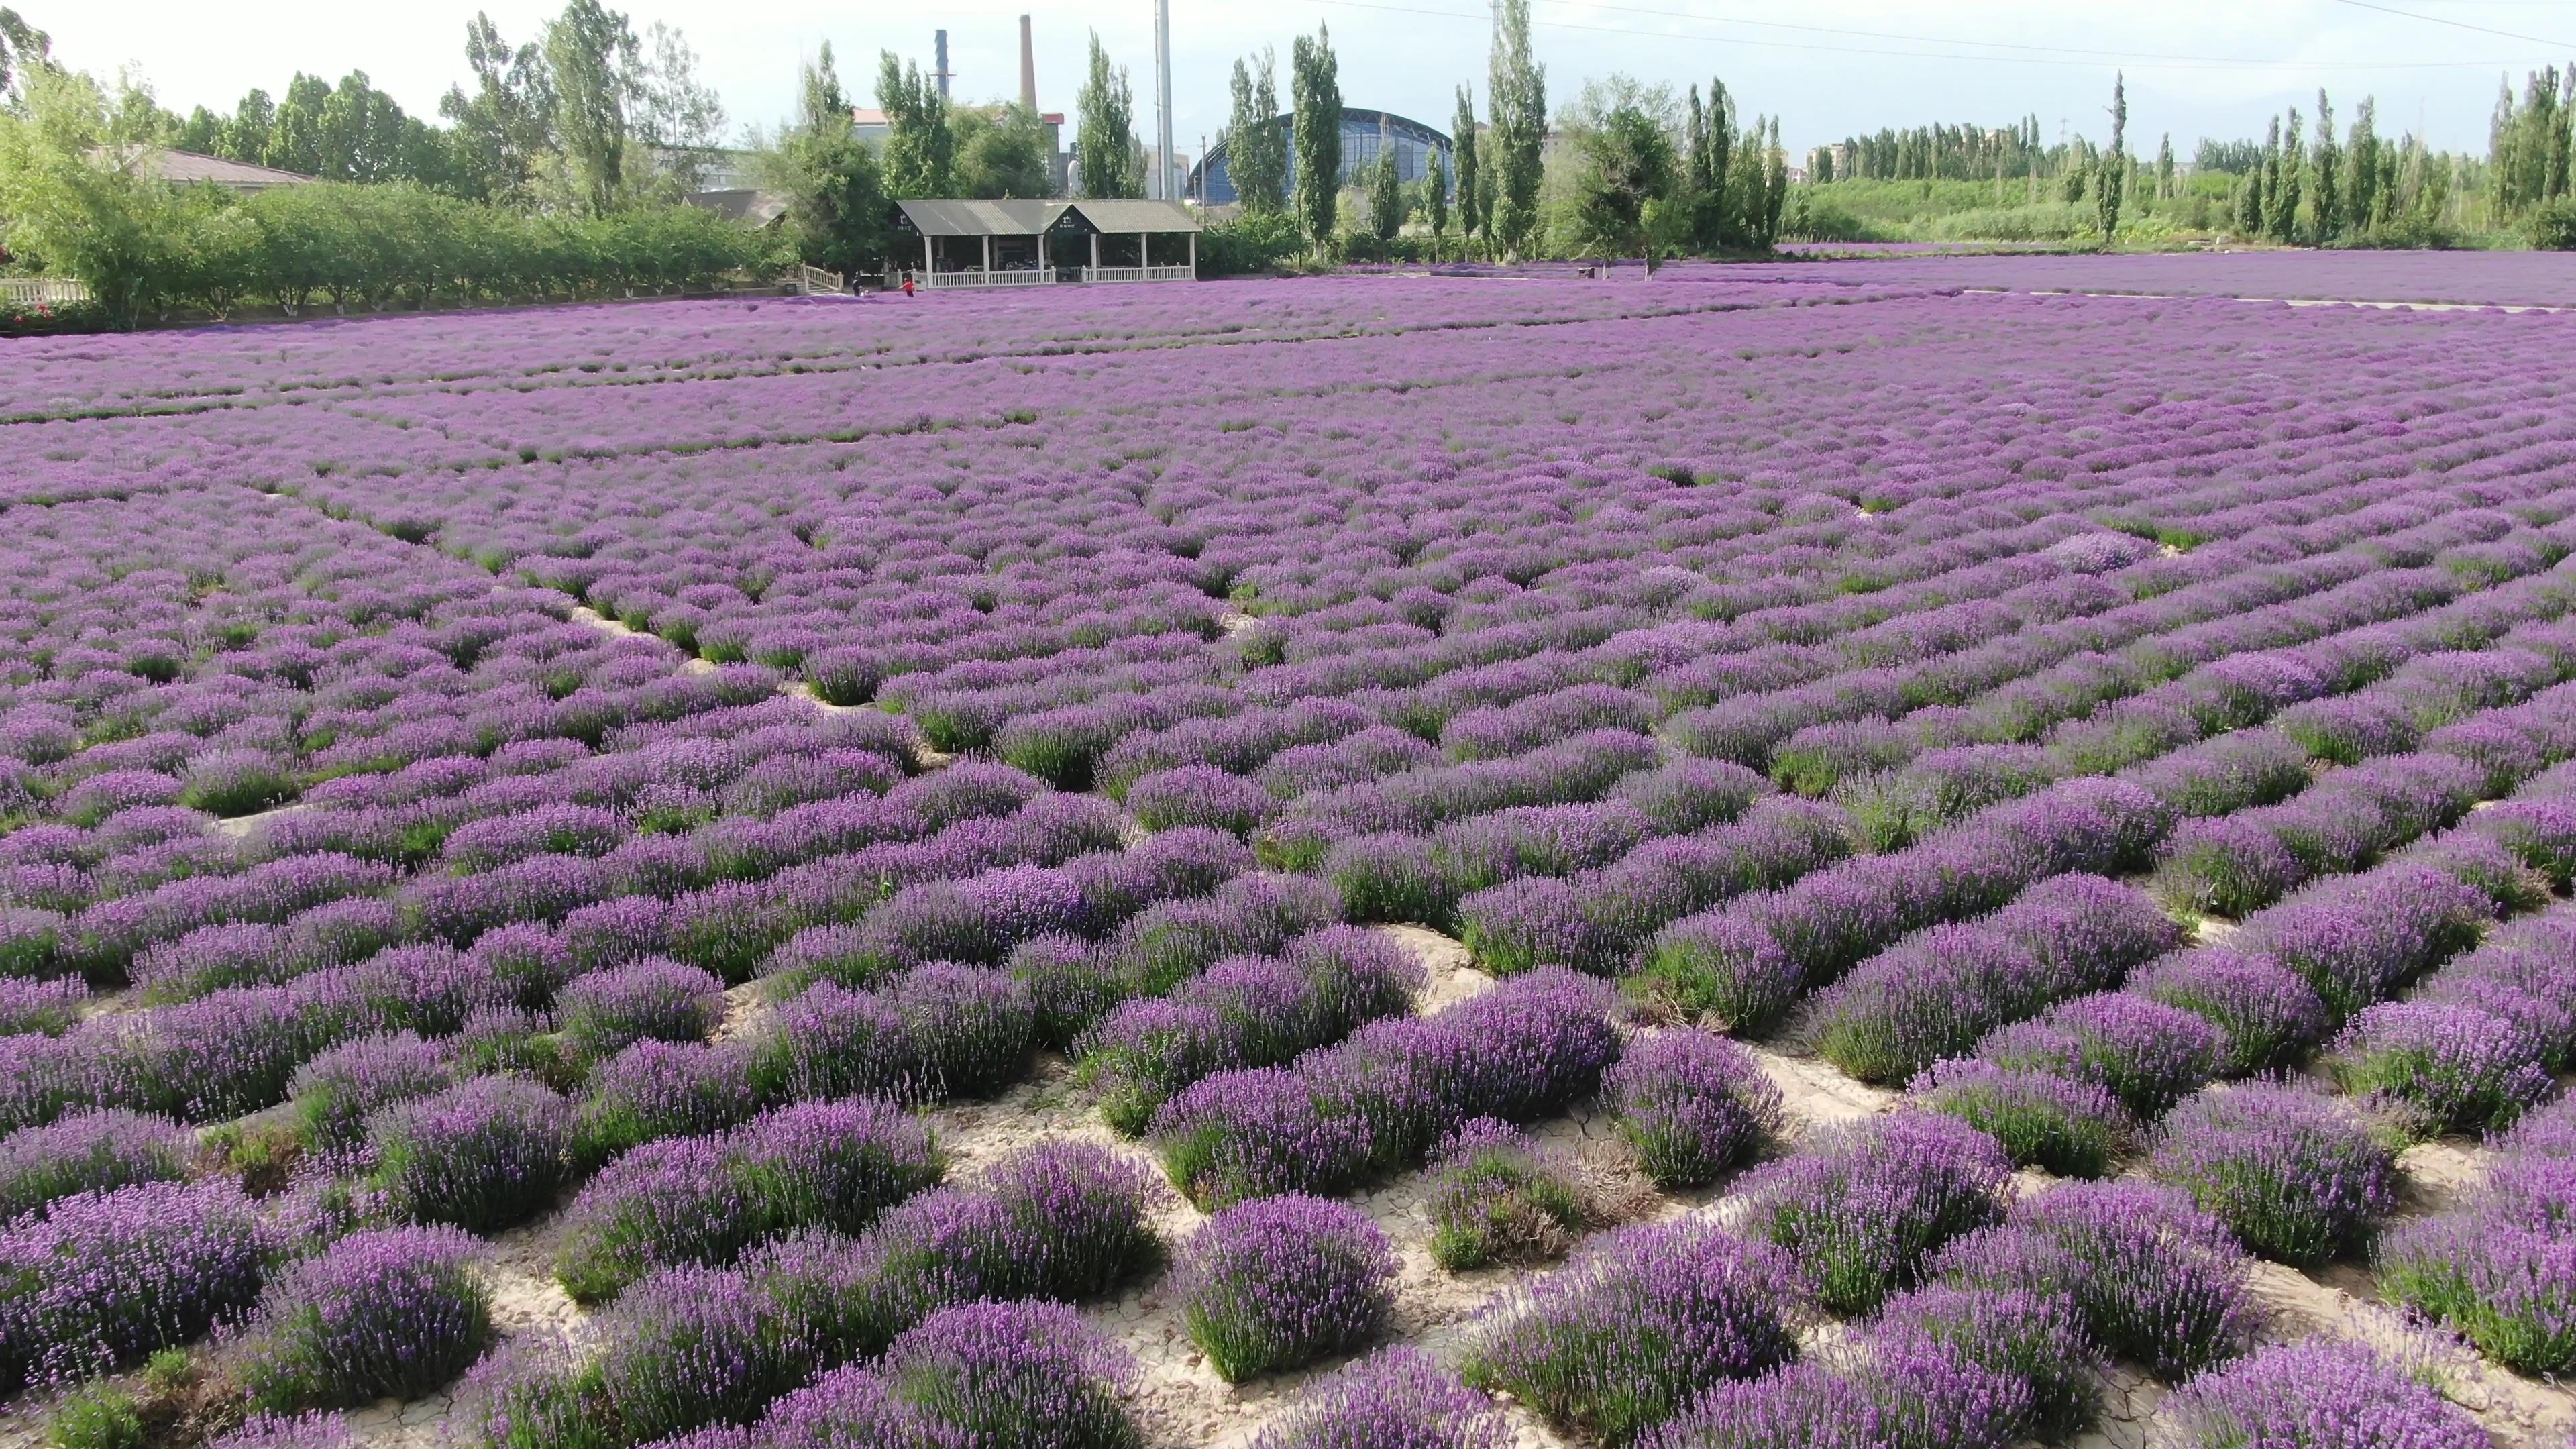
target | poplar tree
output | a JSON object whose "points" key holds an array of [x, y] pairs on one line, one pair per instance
{"points": [[1315, 84], [1711, 144], [1386, 192], [2165, 169], [921, 145], [2325, 204], [1104, 146], [1471, 207], [1256, 150], [1435, 199], [1516, 93], [2115, 162], [2362, 160]]}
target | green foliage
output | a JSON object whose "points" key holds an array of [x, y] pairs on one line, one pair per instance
{"points": [[920, 146], [20, 46], [836, 208], [497, 136], [589, 50], [1253, 243], [1315, 83], [1387, 207], [1435, 199], [1104, 142], [1516, 92], [2553, 226], [1256, 150], [1003, 154], [2114, 177], [1471, 198], [102, 1416], [1628, 165]]}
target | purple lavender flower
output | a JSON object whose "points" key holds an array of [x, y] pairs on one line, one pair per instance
{"points": [[1862, 1209], [691, 1347], [2071, 1128], [2156, 1279], [2290, 1172], [277, 1431], [2147, 1054], [50, 1007], [102, 1279], [2503, 1284], [1239, 1135], [484, 1154], [2266, 1013], [2035, 1339], [603, 1013], [1928, 997], [1690, 1104], [393, 1312], [2447, 1067], [1496, 1197], [969, 1028], [1629, 1332], [1200, 795], [660, 1089], [2319, 1394], [91, 1152], [1396, 1398], [1030, 1374], [1724, 967], [1080, 1217], [335, 1092], [1276, 1284], [2357, 940]]}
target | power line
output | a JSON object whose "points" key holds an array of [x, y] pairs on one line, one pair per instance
{"points": [[2114, 55], [2459, 24], [2216, 65]]}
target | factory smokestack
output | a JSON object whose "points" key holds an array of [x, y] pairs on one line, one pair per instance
{"points": [[1163, 100], [940, 51], [1028, 67]]}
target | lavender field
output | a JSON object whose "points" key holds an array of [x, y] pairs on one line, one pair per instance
{"points": [[1888, 854]]}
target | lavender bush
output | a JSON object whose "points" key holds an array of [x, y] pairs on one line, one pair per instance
{"points": [[2072, 1128], [102, 1279], [1690, 1105], [2449, 1068], [1279, 1283], [484, 1154], [90, 1152], [393, 1313], [2319, 1394], [1396, 1398], [1861, 1210], [1496, 1197], [2292, 1174]]}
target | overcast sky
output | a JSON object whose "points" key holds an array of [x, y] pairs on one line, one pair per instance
{"points": [[1827, 67]]}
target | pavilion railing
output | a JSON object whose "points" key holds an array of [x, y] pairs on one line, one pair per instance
{"points": [[1024, 277], [40, 291], [1139, 274]]}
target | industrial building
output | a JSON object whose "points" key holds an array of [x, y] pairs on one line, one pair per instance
{"points": [[1363, 133]]}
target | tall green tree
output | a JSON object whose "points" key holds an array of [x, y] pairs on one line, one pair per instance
{"points": [[1435, 199], [1387, 210], [1256, 149], [1516, 93], [679, 119], [22, 47], [1710, 137], [2325, 199], [920, 145], [1315, 83], [2531, 148], [592, 55], [2282, 198], [2361, 151], [1627, 164], [2165, 168], [1471, 201], [502, 132], [72, 186], [1104, 146], [2115, 163], [1775, 188], [836, 205], [1002, 154]]}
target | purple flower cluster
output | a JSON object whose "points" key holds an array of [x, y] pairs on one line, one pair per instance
{"points": [[2071, 1127], [2319, 1394], [1644, 1321], [1497, 1197], [1030, 1374], [1396, 1398], [484, 1154], [1691, 1105], [102, 1279], [2292, 1174], [1281, 1282], [394, 1312], [2446, 1067], [92, 1152], [1861, 1211]]}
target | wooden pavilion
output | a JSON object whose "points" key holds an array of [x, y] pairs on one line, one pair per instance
{"points": [[1040, 243]]}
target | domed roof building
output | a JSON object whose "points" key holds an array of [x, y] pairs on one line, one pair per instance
{"points": [[1363, 132]]}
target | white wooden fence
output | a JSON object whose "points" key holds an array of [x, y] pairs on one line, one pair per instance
{"points": [[1140, 274], [40, 291], [1023, 277]]}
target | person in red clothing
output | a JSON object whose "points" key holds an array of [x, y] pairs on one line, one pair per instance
{"points": [[907, 283]]}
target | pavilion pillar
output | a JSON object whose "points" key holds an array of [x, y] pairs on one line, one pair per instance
{"points": [[1194, 256], [1095, 258], [929, 263], [988, 257]]}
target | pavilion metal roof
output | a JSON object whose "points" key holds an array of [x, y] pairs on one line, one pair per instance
{"points": [[981, 218], [1120, 217]]}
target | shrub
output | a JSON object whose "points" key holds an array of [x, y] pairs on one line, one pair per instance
{"points": [[2087, 933], [2319, 1394], [1928, 997], [1199, 795], [1396, 1398], [1149, 1049], [2226, 866], [1390, 877], [694, 1346], [2505, 1285], [91, 1152], [1718, 968], [1021, 1374], [50, 1007], [2071, 1128], [1072, 983], [605, 1012], [2035, 1339], [704, 1200], [1623, 1337], [968, 1029], [2144, 1052], [1494, 1197], [659, 1089], [1080, 1217], [1905, 1395], [103, 1279], [1277, 1284], [828, 1041], [1534, 1044], [395, 1313], [1691, 1105], [2156, 1279], [336, 1091], [2449, 1068], [2356, 940], [2266, 1014], [278, 1431], [2289, 1172], [536, 1391], [484, 1154], [1239, 1135], [1862, 1209]]}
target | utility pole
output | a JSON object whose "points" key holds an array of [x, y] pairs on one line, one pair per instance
{"points": [[1163, 98]]}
